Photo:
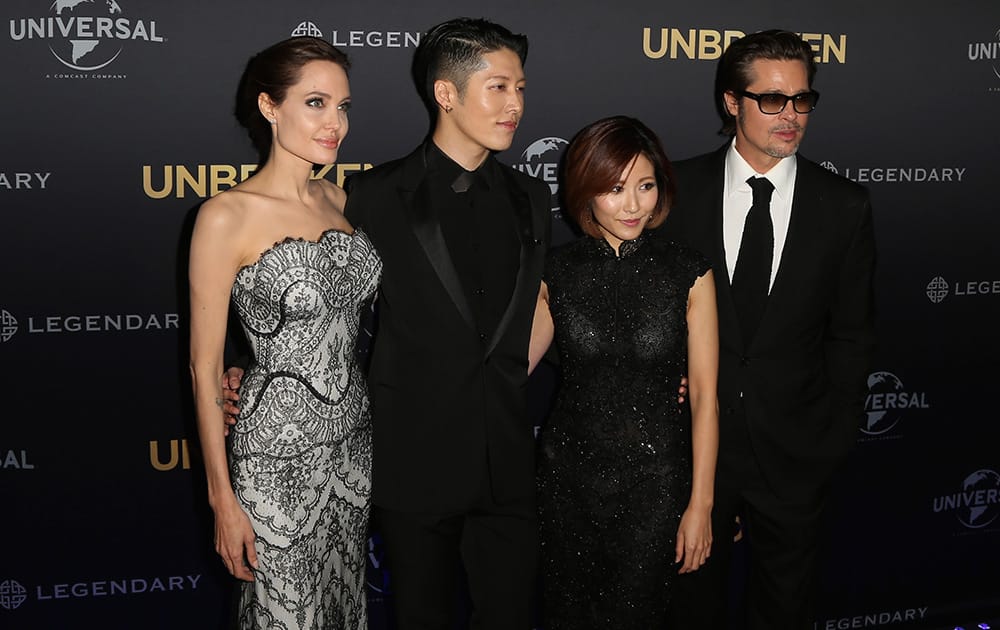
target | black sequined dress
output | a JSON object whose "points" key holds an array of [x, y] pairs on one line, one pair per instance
{"points": [[615, 456]]}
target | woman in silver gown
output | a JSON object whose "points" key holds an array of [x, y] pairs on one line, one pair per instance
{"points": [[291, 495]]}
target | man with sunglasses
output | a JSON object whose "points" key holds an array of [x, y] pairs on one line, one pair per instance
{"points": [[794, 252]]}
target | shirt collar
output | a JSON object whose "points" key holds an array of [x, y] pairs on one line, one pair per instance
{"points": [[449, 170], [781, 175]]}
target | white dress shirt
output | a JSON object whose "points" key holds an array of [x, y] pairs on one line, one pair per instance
{"points": [[737, 199]]}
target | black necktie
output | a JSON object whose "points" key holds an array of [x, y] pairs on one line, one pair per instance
{"points": [[752, 277], [464, 181]]}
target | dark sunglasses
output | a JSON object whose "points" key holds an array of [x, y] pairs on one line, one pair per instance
{"points": [[774, 102]]}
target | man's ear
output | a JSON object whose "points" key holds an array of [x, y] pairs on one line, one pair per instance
{"points": [[731, 102], [445, 94]]}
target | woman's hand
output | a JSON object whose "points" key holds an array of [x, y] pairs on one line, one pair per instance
{"points": [[234, 540], [694, 538]]}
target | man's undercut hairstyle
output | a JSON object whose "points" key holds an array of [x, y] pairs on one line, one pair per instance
{"points": [[454, 50], [735, 71]]}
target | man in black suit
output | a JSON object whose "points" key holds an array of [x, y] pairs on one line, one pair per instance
{"points": [[462, 240], [793, 250]]}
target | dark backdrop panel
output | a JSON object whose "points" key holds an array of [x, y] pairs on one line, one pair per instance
{"points": [[105, 521]]}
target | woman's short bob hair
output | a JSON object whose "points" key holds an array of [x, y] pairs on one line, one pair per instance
{"points": [[596, 159]]}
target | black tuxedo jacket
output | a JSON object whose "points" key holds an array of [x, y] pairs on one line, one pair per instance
{"points": [[448, 400], [802, 380]]}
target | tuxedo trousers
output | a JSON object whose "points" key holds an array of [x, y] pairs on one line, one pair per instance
{"points": [[496, 545], [781, 535]]}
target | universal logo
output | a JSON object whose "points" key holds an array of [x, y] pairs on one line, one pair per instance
{"points": [[886, 403], [938, 288], [87, 323], [362, 39], [541, 160], [23, 181], [988, 53], [207, 180], [703, 43], [899, 174], [85, 36], [977, 505]]}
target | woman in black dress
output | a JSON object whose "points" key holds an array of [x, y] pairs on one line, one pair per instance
{"points": [[626, 471]]}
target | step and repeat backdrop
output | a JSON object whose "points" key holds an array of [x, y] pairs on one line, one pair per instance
{"points": [[117, 124]]}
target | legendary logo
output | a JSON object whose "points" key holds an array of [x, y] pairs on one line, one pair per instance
{"points": [[12, 594], [874, 619], [85, 35], [899, 174], [702, 43], [123, 586], [978, 503], [938, 288], [307, 29], [23, 181], [88, 323], [541, 160], [8, 326], [887, 401], [988, 53]]}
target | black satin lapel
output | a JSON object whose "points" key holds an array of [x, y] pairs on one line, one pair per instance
{"points": [[728, 316], [802, 228], [528, 234], [427, 227]]}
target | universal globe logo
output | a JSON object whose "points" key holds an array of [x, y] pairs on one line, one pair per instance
{"points": [[12, 594], [886, 401], [978, 504], [85, 35], [937, 290], [541, 160]]}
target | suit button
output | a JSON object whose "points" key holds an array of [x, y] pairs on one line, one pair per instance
{"points": [[480, 292], [744, 361], [482, 336]]}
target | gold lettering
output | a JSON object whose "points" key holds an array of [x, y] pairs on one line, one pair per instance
{"points": [[154, 455], [810, 38], [186, 177], [647, 50], [839, 49], [147, 182], [222, 174], [246, 170], [677, 39], [730, 36], [182, 454], [708, 44]]}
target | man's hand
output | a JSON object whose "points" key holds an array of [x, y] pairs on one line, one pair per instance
{"points": [[231, 379]]}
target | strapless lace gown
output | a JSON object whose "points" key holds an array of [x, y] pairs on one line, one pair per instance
{"points": [[301, 450], [614, 467]]}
